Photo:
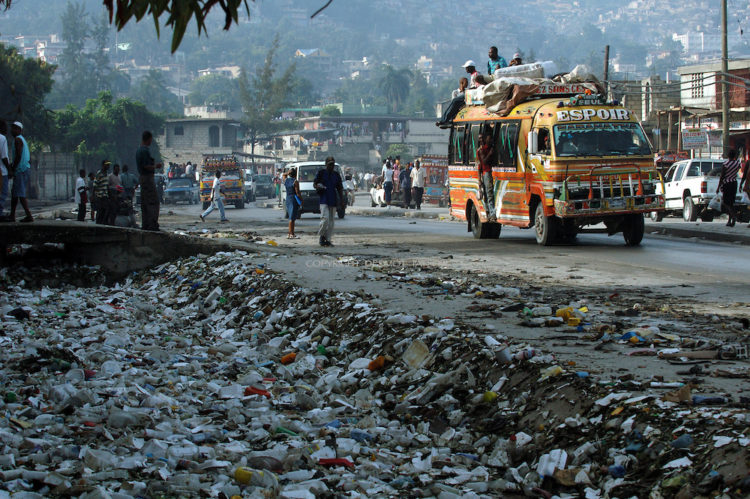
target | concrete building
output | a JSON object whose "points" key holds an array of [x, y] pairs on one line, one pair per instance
{"points": [[188, 139], [701, 89]]}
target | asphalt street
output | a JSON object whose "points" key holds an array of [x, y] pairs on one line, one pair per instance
{"points": [[683, 267]]}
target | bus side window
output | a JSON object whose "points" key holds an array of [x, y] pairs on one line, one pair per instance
{"points": [[457, 145], [473, 145], [507, 143]]}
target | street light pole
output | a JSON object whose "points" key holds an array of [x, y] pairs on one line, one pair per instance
{"points": [[724, 85]]}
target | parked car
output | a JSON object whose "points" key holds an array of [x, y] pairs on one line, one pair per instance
{"points": [[264, 186], [689, 186], [306, 173], [181, 190], [249, 186]]}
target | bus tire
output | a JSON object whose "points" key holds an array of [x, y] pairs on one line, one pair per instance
{"points": [[633, 229], [544, 226], [478, 229], [495, 230], [656, 216]]}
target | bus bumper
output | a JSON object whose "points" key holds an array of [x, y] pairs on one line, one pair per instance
{"points": [[609, 206]]}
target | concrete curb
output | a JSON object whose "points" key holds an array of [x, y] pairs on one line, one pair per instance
{"points": [[690, 233]]}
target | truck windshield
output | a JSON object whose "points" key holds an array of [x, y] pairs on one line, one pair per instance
{"points": [[600, 139]]}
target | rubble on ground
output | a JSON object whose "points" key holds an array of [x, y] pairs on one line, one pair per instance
{"points": [[213, 376]]}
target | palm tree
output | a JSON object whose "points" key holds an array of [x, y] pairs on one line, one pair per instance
{"points": [[395, 86]]}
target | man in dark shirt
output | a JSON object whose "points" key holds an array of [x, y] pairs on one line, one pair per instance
{"points": [[484, 161], [331, 190], [149, 195]]}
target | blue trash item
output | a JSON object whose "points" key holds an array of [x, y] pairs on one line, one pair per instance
{"points": [[705, 400], [361, 436], [617, 471], [682, 442], [335, 424], [631, 334]]}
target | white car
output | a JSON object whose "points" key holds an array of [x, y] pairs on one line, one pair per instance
{"points": [[689, 186]]}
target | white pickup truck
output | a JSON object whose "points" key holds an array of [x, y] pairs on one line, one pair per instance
{"points": [[689, 187]]}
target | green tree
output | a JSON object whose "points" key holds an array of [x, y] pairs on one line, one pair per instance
{"points": [[152, 91], [421, 99], [395, 86], [330, 110], [263, 97], [104, 129], [179, 13], [24, 84], [215, 90], [101, 68], [79, 80], [402, 150]]}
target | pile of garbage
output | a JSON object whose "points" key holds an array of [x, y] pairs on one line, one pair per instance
{"points": [[213, 376]]}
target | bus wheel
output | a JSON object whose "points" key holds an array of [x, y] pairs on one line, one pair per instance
{"points": [[544, 226], [478, 229], [632, 230], [494, 230]]}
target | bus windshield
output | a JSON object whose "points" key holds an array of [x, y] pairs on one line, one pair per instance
{"points": [[600, 139]]}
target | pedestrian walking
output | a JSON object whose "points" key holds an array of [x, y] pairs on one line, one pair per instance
{"points": [[388, 184], [20, 172], [217, 191], [92, 198], [149, 195], [293, 200], [405, 181], [81, 195], [728, 185], [101, 193], [4, 168], [330, 188], [417, 182]]}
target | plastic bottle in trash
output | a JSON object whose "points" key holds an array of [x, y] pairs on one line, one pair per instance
{"points": [[258, 478]]}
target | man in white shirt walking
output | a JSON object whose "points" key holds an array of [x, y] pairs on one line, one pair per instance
{"points": [[81, 197], [216, 199], [417, 182]]}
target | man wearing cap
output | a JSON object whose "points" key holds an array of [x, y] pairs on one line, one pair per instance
{"points": [[516, 61], [101, 193], [149, 195], [20, 173], [331, 191], [4, 166], [496, 61], [470, 67]]}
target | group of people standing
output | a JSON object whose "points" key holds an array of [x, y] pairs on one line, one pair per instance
{"points": [[112, 194], [408, 179], [15, 166]]}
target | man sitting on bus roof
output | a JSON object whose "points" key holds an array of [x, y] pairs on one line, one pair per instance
{"points": [[459, 99], [496, 61], [516, 61]]}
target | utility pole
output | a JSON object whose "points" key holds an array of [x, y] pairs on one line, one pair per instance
{"points": [[606, 68], [724, 85]]}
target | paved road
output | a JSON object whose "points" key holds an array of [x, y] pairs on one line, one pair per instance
{"points": [[684, 267]]}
